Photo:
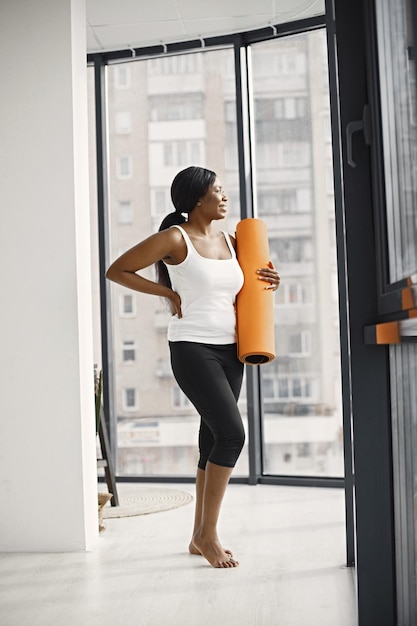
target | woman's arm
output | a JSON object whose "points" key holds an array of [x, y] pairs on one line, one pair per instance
{"points": [[166, 244]]}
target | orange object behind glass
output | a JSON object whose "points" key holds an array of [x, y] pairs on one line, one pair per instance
{"points": [[254, 303]]}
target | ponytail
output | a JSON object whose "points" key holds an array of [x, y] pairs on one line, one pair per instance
{"points": [[171, 219]]}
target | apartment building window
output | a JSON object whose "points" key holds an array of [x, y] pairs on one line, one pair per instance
{"points": [[287, 388], [174, 107], [295, 108], [230, 111], [178, 64], [160, 202], [291, 62], [196, 151], [127, 305], [273, 64], [180, 153], [296, 293], [277, 201], [179, 399], [270, 153], [301, 388], [125, 212], [292, 249], [129, 350], [230, 157], [280, 108], [124, 167], [130, 399], [123, 122], [295, 153], [299, 344], [122, 77], [283, 388]]}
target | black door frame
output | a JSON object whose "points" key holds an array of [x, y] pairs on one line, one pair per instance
{"points": [[354, 106]]}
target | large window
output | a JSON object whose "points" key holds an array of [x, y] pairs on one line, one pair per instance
{"points": [[164, 114], [399, 124], [397, 58], [302, 388]]}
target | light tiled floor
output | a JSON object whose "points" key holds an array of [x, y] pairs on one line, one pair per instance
{"points": [[290, 543]]}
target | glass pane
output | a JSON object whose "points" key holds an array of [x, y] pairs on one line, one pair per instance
{"points": [[293, 154], [403, 365], [164, 114], [399, 125]]}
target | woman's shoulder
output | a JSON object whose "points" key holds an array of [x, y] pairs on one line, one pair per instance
{"points": [[173, 233], [174, 242]]}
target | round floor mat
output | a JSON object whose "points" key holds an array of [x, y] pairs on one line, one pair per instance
{"points": [[147, 500]]}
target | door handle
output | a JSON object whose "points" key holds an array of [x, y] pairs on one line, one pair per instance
{"points": [[353, 127]]}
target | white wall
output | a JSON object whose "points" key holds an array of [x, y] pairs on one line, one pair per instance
{"points": [[48, 480]]}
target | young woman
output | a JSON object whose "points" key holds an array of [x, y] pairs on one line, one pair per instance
{"points": [[199, 274]]}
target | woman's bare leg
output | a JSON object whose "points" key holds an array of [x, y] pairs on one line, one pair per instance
{"points": [[199, 495], [205, 539]]}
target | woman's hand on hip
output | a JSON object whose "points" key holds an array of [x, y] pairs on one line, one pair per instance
{"points": [[269, 274], [175, 304]]}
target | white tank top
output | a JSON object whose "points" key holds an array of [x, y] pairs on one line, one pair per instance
{"points": [[208, 289]]}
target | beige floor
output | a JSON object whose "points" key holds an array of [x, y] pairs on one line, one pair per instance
{"points": [[291, 547]]}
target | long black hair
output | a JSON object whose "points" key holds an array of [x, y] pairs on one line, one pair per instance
{"points": [[187, 188]]}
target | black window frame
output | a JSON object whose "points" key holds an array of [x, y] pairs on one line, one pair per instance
{"points": [[244, 122]]}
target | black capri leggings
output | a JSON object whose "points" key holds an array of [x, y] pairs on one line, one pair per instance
{"points": [[211, 378]]}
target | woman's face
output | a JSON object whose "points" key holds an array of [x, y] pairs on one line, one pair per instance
{"points": [[214, 202]]}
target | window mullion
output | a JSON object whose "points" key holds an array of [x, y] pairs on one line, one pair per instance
{"points": [[244, 111]]}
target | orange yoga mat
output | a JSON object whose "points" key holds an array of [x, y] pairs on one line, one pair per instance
{"points": [[254, 303]]}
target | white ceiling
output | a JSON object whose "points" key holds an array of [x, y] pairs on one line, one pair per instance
{"points": [[121, 24]]}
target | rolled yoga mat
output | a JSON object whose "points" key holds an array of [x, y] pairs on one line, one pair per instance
{"points": [[254, 303]]}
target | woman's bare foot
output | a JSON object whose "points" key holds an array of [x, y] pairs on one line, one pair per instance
{"points": [[194, 550], [213, 552]]}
